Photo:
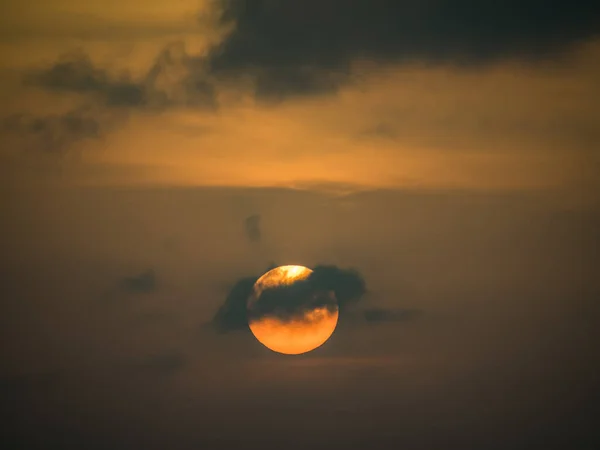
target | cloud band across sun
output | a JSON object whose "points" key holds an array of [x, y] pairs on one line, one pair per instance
{"points": [[327, 288]]}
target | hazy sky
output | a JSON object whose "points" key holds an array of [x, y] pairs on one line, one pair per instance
{"points": [[410, 114], [448, 151]]}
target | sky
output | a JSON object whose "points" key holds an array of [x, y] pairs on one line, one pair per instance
{"points": [[155, 156]]}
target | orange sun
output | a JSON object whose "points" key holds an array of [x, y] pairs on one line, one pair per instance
{"points": [[310, 328]]}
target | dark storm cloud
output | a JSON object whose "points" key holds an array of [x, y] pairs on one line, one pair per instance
{"points": [[295, 47], [252, 228], [289, 302], [53, 133], [144, 282], [174, 79]]}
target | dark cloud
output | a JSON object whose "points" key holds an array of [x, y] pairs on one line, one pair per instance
{"points": [[291, 47], [252, 228], [178, 79], [54, 133], [174, 79], [144, 282], [297, 47], [348, 284], [232, 315], [75, 72], [289, 302]]}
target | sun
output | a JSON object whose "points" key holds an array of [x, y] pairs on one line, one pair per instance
{"points": [[291, 321]]}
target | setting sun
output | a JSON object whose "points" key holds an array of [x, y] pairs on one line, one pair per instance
{"points": [[310, 328]]}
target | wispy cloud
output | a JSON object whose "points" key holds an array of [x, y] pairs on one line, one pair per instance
{"points": [[175, 79], [141, 283], [53, 133], [252, 228]]}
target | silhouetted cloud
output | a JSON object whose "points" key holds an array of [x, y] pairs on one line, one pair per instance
{"points": [[75, 72], [294, 47], [142, 283], [252, 228], [175, 79], [53, 133], [232, 315], [289, 302], [348, 284]]}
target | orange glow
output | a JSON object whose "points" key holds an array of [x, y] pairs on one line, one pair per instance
{"points": [[297, 336], [283, 275]]}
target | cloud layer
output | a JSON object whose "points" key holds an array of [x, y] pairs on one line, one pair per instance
{"points": [[53, 133], [289, 302], [291, 48], [299, 47], [174, 79]]}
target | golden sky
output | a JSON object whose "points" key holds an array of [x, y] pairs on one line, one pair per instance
{"points": [[509, 124], [438, 160]]}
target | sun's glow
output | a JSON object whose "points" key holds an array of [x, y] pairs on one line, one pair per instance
{"points": [[281, 276], [298, 336], [301, 334]]}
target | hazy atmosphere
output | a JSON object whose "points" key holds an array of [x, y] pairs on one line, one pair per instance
{"points": [[155, 156]]}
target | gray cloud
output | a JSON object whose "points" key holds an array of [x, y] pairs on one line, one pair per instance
{"points": [[175, 79], [54, 133], [252, 228], [305, 47], [290, 302], [144, 282], [75, 72], [232, 315], [297, 48]]}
